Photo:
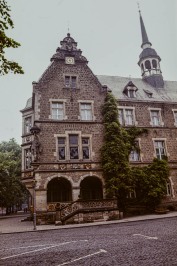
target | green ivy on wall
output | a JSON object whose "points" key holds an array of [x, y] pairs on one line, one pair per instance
{"points": [[149, 182]]}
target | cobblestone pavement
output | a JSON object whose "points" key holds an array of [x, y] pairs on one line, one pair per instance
{"points": [[139, 243], [14, 223]]}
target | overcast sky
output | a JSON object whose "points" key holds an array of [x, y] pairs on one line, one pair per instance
{"points": [[107, 31]]}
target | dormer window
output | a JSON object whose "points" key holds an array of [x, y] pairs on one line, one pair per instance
{"points": [[130, 90], [148, 93], [131, 93]]}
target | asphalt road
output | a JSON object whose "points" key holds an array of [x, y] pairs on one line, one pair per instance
{"points": [[136, 243]]}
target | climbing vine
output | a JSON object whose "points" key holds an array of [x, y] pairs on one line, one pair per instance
{"points": [[120, 177]]}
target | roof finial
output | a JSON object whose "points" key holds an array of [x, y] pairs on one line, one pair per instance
{"points": [[68, 27]]}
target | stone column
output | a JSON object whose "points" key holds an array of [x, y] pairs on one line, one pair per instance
{"points": [[41, 200], [76, 193]]}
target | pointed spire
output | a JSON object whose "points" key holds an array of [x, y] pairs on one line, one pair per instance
{"points": [[145, 39]]}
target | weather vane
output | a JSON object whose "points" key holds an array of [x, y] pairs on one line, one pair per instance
{"points": [[138, 4], [68, 26]]}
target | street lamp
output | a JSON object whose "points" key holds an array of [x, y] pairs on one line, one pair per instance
{"points": [[35, 149], [34, 204]]}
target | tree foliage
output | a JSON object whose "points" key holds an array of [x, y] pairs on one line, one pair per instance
{"points": [[6, 22], [120, 177], [12, 191]]}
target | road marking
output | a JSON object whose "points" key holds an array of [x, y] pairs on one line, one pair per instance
{"points": [[81, 258], [34, 246], [147, 237], [36, 250]]}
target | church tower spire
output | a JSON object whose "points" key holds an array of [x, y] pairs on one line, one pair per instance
{"points": [[149, 60]]}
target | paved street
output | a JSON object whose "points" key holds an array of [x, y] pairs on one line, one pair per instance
{"points": [[150, 242]]}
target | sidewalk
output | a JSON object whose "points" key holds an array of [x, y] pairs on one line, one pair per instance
{"points": [[13, 224]]}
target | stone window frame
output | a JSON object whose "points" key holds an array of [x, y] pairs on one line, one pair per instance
{"points": [[170, 188], [135, 123], [70, 75], [140, 154], [175, 120], [91, 102], [24, 149], [24, 126], [165, 146], [67, 152], [63, 101], [159, 110]]}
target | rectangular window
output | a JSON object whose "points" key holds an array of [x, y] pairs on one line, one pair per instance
{"points": [[27, 158], [121, 116], [85, 148], [126, 116], [160, 149], [71, 82], [134, 154], [129, 117], [155, 117], [67, 81], [175, 116], [57, 110], [62, 148], [27, 124], [73, 147], [86, 111]]}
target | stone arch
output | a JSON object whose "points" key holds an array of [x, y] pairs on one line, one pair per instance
{"points": [[59, 189], [48, 179], [91, 187], [154, 63]]}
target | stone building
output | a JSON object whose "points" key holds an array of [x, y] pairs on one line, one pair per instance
{"points": [[63, 131]]}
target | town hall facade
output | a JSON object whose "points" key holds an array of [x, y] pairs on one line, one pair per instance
{"points": [[63, 130]]}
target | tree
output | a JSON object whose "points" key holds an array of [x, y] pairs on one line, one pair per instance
{"points": [[150, 183], [115, 153], [120, 177], [6, 22], [12, 191]]}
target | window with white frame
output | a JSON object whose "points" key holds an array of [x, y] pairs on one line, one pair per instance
{"points": [[131, 194], [71, 82], [57, 110], [86, 148], [160, 149], [131, 93], [126, 116], [86, 111], [135, 154], [62, 148], [27, 124], [27, 158], [175, 117], [156, 119], [73, 147]]}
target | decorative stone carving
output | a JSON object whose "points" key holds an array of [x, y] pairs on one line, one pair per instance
{"points": [[36, 148]]}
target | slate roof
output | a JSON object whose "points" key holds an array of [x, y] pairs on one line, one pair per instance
{"points": [[28, 104], [117, 84]]}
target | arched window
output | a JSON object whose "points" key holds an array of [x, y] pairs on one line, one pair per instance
{"points": [[154, 63], [142, 67], [147, 64], [169, 189], [59, 190], [91, 188]]}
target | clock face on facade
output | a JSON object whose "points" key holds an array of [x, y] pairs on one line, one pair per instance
{"points": [[69, 60]]}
